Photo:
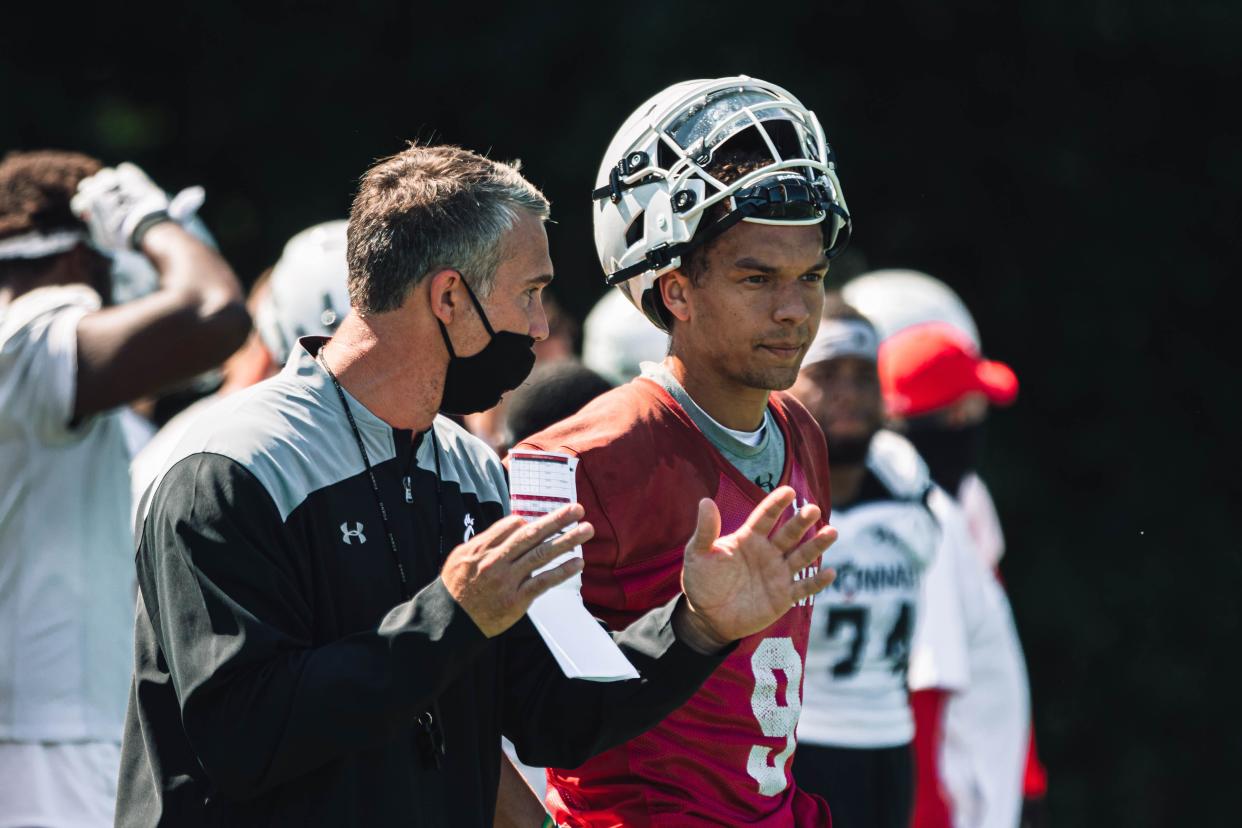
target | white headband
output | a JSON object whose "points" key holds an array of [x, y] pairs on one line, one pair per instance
{"points": [[36, 245], [842, 338]]}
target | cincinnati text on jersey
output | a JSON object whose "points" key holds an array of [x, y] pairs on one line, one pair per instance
{"points": [[852, 579]]}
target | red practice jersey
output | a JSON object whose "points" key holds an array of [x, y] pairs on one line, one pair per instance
{"points": [[724, 758]]}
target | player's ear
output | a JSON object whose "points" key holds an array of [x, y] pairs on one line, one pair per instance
{"points": [[674, 289], [444, 292]]}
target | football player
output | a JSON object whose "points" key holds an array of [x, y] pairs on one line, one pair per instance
{"points": [[977, 764], [717, 209], [856, 731], [71, 359]]}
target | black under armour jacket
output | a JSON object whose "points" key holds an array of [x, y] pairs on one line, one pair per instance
{"points": [[280, 677]]}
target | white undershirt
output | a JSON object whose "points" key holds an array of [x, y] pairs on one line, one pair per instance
{"points": [[750, 438]]}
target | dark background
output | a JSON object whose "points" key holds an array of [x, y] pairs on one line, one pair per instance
{"points": [[1063, 165]]}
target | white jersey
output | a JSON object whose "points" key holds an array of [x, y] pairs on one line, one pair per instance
{"points": [[855, 686], [66, 548], [965, 643], [985, 528]]}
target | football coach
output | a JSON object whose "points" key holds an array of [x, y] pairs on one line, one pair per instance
{"points": [[331, 617]]}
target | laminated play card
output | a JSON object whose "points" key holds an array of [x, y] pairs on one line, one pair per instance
{"points": [[541, 482]]}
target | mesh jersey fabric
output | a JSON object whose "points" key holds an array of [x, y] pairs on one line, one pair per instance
{"points": [[723, 758]]}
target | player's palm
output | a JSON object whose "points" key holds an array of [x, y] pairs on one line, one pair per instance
{"points": [[741, 583]]}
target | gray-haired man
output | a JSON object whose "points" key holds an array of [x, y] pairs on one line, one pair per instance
{"points": [[322, 638]]}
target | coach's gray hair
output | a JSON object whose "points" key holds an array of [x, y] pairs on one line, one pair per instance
{"points": [[427, 209]]}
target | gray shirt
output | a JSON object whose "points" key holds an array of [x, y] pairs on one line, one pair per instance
{"points": [[762, 462]]}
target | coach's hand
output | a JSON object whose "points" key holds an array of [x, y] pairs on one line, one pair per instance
{"points": [[490, 574], [740, 584]]}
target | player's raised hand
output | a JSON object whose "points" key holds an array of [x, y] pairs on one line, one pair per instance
{"points": [[114, 201], [490, 574], [741, 583]]}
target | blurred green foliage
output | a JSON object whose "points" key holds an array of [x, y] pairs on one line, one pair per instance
{"points": [[1066, 166]]}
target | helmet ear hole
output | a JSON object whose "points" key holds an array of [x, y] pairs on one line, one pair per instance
{"points": [[634, 233], [653, 307]]}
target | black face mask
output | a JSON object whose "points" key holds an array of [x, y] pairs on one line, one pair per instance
{"points": [[951, 453], [475, 383]]}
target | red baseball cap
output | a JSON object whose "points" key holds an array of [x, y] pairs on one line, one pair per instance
{"points": [[926, 367]]}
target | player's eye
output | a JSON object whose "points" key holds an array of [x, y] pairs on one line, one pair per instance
{"points": [[755, 279], [813, 277]]}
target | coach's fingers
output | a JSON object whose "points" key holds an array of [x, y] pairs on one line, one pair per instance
{"points": [[765, 515], [537, 585], [535, 532], [553, 548], [806, 587], [792, 530], [807, 553]]}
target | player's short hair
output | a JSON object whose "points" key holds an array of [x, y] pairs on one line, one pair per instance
{"points": [[727, 167], [36, 187], [428, 208], [35, 190]]}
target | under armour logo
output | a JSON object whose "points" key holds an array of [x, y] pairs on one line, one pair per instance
{"points": [[348, 534], [468, 521], [766, 483]]}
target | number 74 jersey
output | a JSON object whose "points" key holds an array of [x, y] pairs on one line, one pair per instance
{"points": [[859, 645]]}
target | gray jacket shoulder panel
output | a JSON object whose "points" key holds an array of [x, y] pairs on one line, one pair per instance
{"points": [[288, 432], [467, 461]]}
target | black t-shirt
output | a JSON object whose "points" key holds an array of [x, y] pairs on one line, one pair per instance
{"points": [[281, 675]]}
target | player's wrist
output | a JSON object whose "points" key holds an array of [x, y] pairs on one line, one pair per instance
{"points": [[144, 224], [693, 630]]}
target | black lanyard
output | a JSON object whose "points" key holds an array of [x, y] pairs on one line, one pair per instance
{"points": [[375, 490], [433, 747]]}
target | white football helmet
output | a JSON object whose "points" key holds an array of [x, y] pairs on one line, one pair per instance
{"points": [[616, 340], [896, 299], [653, 187], [308, 292]]}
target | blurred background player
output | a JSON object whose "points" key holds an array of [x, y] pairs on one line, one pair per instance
{"points": [[303, 294], [938, 390], [133, 277], [69, 361], [553, 392], [716, 210], [617, 339], [934, 383], [854, 738]]}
